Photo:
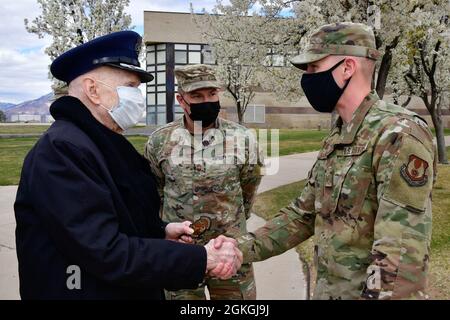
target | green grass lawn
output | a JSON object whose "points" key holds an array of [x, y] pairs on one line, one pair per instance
{"points": [[12, 154], [267, 204], [19, 129], [14, 150], [31, 129], [138, 142], [299, 141], [440, 243], [446, 132]]}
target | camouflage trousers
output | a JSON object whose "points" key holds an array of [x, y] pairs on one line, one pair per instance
{"points": [[239, 287]]}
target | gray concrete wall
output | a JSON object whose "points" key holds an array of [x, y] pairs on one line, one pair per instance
{"points": [[170, 27]]}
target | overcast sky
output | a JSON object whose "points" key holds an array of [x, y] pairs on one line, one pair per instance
{"points": [[23, 64]]}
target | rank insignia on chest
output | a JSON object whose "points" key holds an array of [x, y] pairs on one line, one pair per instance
{"points": [[414, 172]]}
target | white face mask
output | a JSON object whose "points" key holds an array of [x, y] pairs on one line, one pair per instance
{"points": [[130, 108]]}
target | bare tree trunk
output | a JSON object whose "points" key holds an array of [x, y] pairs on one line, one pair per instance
{"points": [[405, 104], [385, 66], [440, 136], [437, 100], [383, 74], [239, 112]]}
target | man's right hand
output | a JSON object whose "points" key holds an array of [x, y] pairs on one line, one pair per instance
{"points": [[223, 262], [220, 240]]}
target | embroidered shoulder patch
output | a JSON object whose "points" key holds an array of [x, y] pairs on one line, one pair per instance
{"points": [[414, 172], [201, 226]]}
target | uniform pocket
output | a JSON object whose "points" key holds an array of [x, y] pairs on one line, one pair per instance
{"points": [[353, 194], [329, 183], [345, 180]]}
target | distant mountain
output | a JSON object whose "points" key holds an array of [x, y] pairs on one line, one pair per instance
{"points": [[39, 106], [6, 106]]}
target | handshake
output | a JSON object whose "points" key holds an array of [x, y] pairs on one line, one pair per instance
{"points": [[224, 258]]}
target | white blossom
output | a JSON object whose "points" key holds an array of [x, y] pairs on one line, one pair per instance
{"points": [[74, 22]]}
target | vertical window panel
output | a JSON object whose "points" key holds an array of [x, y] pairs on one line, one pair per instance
{"points": [[195, 47], [151, 99], [151, 58], [161, 98], [180, 47], [161, 78], [180, 57], [194, 57], [161, 57], [161, 118], [151, 118], [161, 67]]}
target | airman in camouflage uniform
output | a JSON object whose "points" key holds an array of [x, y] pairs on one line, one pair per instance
{"points": [[367, 201], [210, 179]]}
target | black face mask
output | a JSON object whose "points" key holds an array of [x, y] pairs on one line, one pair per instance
{"points": [[206, 112], [321, 89]]}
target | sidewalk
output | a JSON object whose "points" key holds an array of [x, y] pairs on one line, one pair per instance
{"points": [[281, 277], [9, 280]]}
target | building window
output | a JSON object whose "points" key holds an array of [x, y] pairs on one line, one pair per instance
{"points": [[181, 47], [156, 90], [161, 60], [192, 54], [195, 57], [180, 57], [255, 114]]}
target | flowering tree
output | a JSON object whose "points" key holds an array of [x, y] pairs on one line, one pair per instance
{"points": [[250, 52], [422, 64], [74, 22], [412, 36]]}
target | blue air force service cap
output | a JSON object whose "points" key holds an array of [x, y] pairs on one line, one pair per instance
{"points": [[118, 50]]}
